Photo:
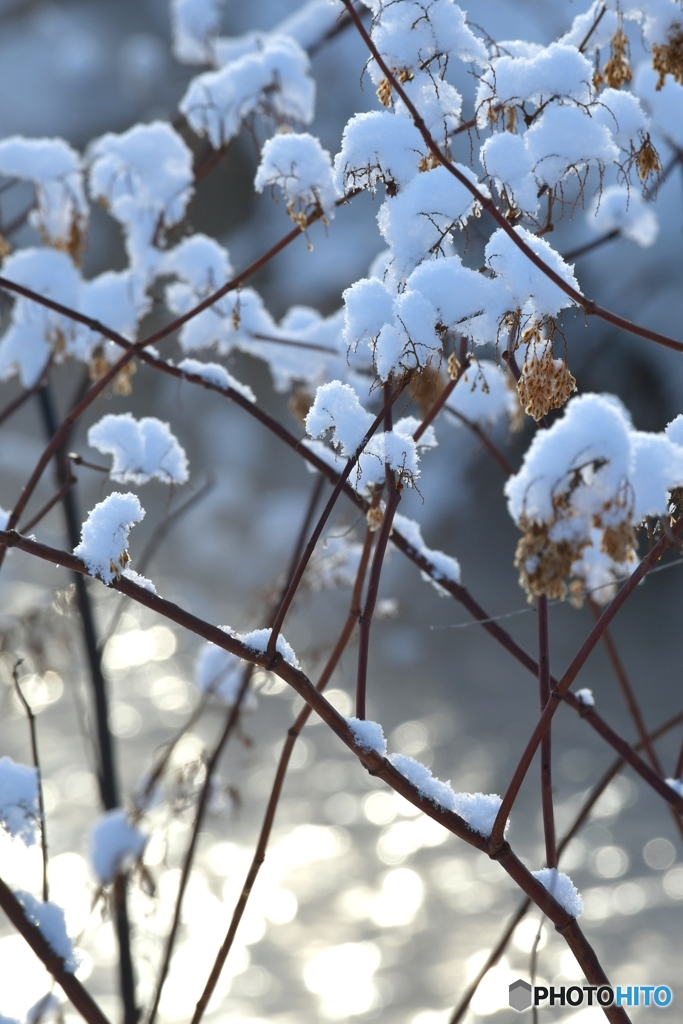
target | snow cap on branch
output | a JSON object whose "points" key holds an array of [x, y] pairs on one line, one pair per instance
{"points": [[444, 567], [271, 77], [104, 535], [19, 812], [479, 810], [562, 889], [142, 449], [114, 844], [49, 919], [302, 170], [257, 641]]}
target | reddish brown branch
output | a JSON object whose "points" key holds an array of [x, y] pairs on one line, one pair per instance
{"points": [[546, 743], [69, 983]]}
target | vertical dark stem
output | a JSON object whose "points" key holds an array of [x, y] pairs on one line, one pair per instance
{"points": [[546, 743], [106, 764], [39, 775]]}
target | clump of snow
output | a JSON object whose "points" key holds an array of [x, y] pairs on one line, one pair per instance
{"points": [[676, 785], [336, 407], [104, 535], [61, 217], [214, 373], [585, 696], [19, 814], [142, 449], [416, 36], [49, 918], [144, 177], [444, 567], [114, 844], [219, 673], [195, 25], [479, 810], [300, 167], [624, 210], [587, 482], [562, 889], [138, 580], [270, 75], [258, 639], [378, 146], [368, 735]]}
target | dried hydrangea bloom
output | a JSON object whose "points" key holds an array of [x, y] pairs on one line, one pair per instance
{"points": [[545, 383]]}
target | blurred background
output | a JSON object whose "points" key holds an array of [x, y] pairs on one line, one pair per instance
{"points": [[364, 910]]}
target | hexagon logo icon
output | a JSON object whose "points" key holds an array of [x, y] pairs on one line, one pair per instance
{"points": [[520, 995]]}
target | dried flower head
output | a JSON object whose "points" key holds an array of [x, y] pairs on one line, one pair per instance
{"points": [[667, 59], [122, 383], [453, 366], [647, 160], [384, 92], [511, 119], [299, 404], [428, 163], [424, 385], [374, 518], [617, 70], [296, 215], [543, 564], [545, 383], [5, 247]]}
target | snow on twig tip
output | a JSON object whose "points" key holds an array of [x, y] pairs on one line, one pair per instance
{"points": [[104, 535]]}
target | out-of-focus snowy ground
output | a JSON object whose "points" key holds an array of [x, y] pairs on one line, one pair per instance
{"points": [[356, 885]]}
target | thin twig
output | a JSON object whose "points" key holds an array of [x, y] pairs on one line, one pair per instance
{"points": [[39, 775], [365, 620], [546, 743], [49, 505], [486, 441], [320, 525], [592, 29], [442, 399]]}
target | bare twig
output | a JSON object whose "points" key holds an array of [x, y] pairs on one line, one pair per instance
{"points": [[39, 775], [546, 748]]}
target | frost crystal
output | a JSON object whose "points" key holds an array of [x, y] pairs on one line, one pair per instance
{"points": [[368, 735], [562, 889], [142, 449], [49, 918], [114, 845], [18, 800], [479, 810], [104, 535]]}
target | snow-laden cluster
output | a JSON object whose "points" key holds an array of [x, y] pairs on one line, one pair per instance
{"points": [[302, 170], [267, 75], [562, 889], [104, 536], [584, 486], [36, 335], [220, 674], [624, 210], [141, 449], [485, 396], [19, 813], [115, 843]]}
